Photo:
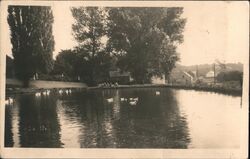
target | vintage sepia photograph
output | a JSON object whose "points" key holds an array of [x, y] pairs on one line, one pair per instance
{"points": [[124, 76]]}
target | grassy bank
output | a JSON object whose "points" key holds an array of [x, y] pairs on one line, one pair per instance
{"points": [[14, 86]]}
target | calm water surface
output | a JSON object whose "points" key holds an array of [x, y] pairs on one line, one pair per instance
{"points": [[172, 119]]}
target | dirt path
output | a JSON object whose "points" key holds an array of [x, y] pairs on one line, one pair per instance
{"points": [[47, 84]]}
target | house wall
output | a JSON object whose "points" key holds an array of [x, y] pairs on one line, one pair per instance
{"points": [[180, 78], [158, 80]]}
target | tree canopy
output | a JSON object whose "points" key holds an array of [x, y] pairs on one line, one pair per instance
{"points": [[145, 40], [66, 64], [32, 40], [230, 76], [89, 31]]}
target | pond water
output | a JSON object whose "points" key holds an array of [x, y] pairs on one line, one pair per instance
{"points": [[124, 118]]}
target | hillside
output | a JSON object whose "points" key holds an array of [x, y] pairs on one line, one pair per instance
{"points": [[204, 68]]}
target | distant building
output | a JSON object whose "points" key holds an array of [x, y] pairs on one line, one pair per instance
{"points": [[194, 74], [210, 74], [209, 78], [181, 77], [120, 77]]}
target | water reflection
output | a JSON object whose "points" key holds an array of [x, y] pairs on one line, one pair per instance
{"points": [[88, 120], [37, 122]]}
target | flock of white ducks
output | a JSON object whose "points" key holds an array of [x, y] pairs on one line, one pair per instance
{"points": [[44, 93], [131, 101], [47, 92], [67, 91]]}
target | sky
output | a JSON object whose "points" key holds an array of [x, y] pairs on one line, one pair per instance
{"points": [[214, 30]]}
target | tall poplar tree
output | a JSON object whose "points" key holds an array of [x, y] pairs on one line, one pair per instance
{"points": [[32, 40]]}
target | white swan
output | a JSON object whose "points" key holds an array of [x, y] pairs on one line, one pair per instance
{"points": [[110, 100], [157, 93], [67, 91], [38, 94], [133, 102], [6, 101], [44, 93], [60, 91], [124, 99], [134, 99], [9, 101]]}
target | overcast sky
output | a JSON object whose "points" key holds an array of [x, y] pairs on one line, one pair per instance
{"points": [[214, 30]]}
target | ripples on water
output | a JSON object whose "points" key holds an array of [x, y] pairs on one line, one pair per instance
{"points": [[171, 119]]}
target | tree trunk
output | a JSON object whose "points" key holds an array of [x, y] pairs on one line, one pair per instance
{"points": [[26, 83]]}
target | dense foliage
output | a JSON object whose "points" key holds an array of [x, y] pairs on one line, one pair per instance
{"points": [[89, 31], [66, 64], [145, 40], [230, 76], [142, 41], [32, 40]]}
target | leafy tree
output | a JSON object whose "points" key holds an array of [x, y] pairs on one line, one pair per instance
{"points": [[89, 31], [145, 40], [32, 40], [66, 63]]}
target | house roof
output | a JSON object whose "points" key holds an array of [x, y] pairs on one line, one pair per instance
{"points": [[186, 73]]}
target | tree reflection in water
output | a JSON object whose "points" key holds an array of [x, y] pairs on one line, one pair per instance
{"points": [[38, 125], [106, 119], [8, 134], [88, 120], [155, 122]]}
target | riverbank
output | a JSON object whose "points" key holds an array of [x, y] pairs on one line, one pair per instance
{"points": [[216, 89], [14, 87]]}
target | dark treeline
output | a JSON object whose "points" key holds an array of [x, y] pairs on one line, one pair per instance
{"points": [[32, 40], [142, 41]]}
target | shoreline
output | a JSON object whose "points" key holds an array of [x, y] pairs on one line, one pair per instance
{"points": [[221, 90]]}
